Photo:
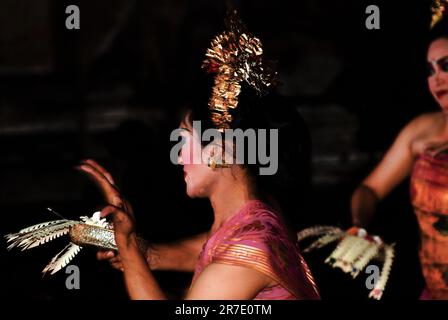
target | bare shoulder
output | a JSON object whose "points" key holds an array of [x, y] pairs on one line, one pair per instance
{"points": [[423, 129], [431, 121]]}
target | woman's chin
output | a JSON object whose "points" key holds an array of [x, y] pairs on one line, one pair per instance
{"points": [[191, 192], [443, 104], [195, 192], [444, 108]]}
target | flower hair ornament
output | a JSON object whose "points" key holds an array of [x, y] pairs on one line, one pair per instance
{"points": [[438, 10], [87, 231], [235, 56], [355, 249]]}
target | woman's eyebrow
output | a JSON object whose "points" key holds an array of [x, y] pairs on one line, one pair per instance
{"points": [[438, 60], [185, 128]]}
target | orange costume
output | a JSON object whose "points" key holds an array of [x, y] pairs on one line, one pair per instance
{"points": [[429, 196]]}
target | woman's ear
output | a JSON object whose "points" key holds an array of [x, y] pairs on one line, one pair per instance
{"points": [[208, 151], [213, 156]]}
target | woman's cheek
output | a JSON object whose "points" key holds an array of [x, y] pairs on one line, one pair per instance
{"points": [[186, 154]]}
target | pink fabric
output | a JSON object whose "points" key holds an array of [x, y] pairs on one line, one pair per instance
{"points": [[425, 295], [255, 238]]}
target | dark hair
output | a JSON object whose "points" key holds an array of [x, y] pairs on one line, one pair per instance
{"points": [[439, 31], [272, 111]]}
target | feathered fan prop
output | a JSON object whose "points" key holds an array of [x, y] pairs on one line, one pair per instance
{"points": [[92, 231], [355, 250]]}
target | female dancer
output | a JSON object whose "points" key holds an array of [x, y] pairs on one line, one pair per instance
{"points": [[248, 252], [421, 151]]}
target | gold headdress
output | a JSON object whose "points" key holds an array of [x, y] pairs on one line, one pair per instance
{"points": [[235, 56], [438, 9]]}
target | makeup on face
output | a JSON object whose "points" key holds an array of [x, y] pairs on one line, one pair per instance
{"points": [[441, 64]]}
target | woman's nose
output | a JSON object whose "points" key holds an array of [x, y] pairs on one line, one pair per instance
{"points": [[434, 77], [180, 160], [438, 75]]}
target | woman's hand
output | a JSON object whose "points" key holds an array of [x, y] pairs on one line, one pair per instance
{"points": [[112, 257], [124, 225], [106, 183], [118, 208]]}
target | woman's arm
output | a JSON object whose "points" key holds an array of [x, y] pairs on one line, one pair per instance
{"points": [[139, 280], [395, 166], [364, 203], [177, 256], [228, 282], [217, 281]]}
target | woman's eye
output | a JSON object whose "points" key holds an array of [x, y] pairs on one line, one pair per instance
{"points": [[444, 65], [430, 70]]}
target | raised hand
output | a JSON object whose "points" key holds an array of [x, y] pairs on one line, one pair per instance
{"points": [[104, 180], [124, 224]]}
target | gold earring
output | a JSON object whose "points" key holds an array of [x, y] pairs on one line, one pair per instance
{"points": [[213, 164]]}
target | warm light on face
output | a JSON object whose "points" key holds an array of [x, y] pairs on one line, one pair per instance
{"points": [[438, 71], [233, 146]]}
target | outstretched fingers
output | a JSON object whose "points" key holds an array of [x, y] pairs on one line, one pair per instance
{"points": [[109, 190], [100, 169]]}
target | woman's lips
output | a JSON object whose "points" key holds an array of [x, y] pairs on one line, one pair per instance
{"points": [[441, 93]]}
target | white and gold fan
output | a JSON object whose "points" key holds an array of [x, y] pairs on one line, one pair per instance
{"points": [[87, 231], [355, 250]]}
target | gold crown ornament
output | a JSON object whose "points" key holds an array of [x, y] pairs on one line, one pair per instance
{"points": [[438, 9], [235, 56]]}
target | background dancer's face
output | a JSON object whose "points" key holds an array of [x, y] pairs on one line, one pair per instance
{"points": [[438, 71]]}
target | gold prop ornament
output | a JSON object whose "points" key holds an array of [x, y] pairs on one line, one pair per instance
{"points": [[94, 231], [355, 249]]}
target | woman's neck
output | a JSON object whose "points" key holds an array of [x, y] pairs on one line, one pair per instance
{"points": [[229, 196], [445, 123]]}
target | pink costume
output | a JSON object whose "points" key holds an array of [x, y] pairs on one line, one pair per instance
{"points": [[255, 238]]}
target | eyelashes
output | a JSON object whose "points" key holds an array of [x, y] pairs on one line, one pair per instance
{"points": [[441, 63]]}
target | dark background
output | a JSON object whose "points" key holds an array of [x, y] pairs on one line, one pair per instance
{"points": [[112, 90]]}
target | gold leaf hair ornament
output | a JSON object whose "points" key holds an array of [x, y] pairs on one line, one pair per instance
{"points": [[438, 9], [235, 56], [355, 249], [87, 231]]}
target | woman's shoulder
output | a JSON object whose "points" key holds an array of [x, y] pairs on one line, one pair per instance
{"points": [[427, 121], [259, 221], [421, 128], [258, 210], [424, 130], [260, 227]]}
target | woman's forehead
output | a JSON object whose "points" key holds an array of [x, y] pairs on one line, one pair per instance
{"points": [[438, 49]]}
